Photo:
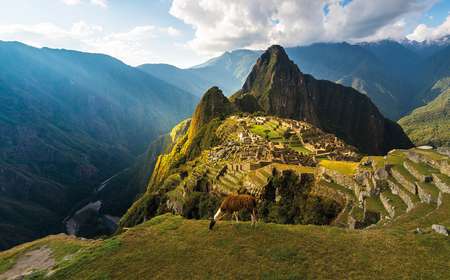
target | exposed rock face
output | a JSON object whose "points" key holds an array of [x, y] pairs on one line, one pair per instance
{"points": [[279, 88]]}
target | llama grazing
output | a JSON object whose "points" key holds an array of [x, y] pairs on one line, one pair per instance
{"points": [[232, 204]]}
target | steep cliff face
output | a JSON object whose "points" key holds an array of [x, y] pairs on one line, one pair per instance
{"points": [[279, 88]]}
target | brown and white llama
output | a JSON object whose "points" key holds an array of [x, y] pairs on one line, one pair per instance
{"points": [[232, 204]]}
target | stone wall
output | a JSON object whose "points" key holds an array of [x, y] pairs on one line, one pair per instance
{"points": [[343, 180], [424, 196], [387, 205], [413, 171], [395, 189], [410, 186], [442, 165], [440, 184]]}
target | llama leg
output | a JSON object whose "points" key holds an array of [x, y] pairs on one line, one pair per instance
{"points": [[254, 219], [236, 216], [218, 215]]}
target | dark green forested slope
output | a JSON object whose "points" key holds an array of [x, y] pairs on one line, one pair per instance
{"points": [[69, 120]]}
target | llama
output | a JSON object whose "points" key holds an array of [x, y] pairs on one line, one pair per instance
{"points": [[232, 204]]}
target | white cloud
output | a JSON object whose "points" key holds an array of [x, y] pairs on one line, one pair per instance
{"points": [[132, 46], [71, 2], [100, 3], [424, 32], [227, 24]]}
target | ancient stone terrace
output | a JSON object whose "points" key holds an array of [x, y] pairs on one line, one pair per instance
{"points": [[389, 186]]}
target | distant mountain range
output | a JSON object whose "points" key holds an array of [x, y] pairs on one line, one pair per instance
{"points": [[395, 75], [68, 121]]}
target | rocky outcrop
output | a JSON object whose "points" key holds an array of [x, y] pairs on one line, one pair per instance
{"points": [[440, 229], [280, 88]]}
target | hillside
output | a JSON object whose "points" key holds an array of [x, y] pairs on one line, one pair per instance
{"points": [[170, 247], [430, 124], [390, 206], [69, 121]]}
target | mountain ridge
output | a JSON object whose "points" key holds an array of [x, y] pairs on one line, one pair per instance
{"points": [[281, 89]]}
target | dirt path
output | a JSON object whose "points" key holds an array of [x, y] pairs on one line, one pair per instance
{"points": [[39, 259]]}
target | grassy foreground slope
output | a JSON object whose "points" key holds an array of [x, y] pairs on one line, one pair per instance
{"points": [[170, 247]]}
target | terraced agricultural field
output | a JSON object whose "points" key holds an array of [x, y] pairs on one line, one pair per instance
{"points": [[344, 167]]}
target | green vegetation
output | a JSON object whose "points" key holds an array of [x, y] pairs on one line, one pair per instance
{"points": [[169, 247], [374, 204], [396, 201], [396, 157], [343, 167], [295, 204], [272, 131], [430, 124]]}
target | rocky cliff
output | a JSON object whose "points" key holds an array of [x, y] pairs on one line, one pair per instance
{"points": [[277, 87]]}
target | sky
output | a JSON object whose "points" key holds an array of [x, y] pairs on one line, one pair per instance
{"points": [[188, 32]]}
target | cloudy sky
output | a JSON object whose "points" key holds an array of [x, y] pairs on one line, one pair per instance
{"points": [[186, 32]]}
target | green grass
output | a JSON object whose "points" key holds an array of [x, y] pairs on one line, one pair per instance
{"points": [[300, 149], [405, 173], [396, 201], [396, 158], [339, 188], [261, 131], [430, 189], [422, 168], [374, 204], [343, 167], [431, 154], [414, 198], [169, 247]]}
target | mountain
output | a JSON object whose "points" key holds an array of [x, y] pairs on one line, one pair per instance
{"points": [[428, 47], [280, 116], [68, 121], [279, 88], [430, 124], [227, 71], [436, 73], [395, 75]]}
